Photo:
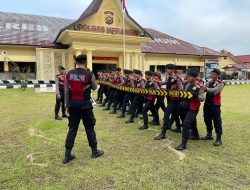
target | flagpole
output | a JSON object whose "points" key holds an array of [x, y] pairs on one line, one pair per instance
{"points": [[124, 36]]}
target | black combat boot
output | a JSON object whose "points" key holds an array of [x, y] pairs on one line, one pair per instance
{"points": [[121, 116], [160, 137], [130, 120], [182, 146], [58, 118], [208, 137], [102, 105], [113, 112], [68, 156], [218, 141], [176, 130], [96, 153], [143, 127], [153, 122], [65, 115], [106, 109], [195, 137]]}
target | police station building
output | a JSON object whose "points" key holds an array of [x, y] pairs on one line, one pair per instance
{"points": [[43, 43]]}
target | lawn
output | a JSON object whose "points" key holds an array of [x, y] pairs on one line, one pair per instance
{"points": [[32, 149]]}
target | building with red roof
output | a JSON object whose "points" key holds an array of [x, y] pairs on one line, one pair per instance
{"points": [[43, 43], [237, 66]]}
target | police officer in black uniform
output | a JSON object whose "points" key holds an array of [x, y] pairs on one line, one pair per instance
{"points": [[128, 96], [189, 108], [79, 83], [173, 82], [149, 102], [212, 111], [60, 82]]}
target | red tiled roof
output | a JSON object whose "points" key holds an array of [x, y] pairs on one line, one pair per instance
{"points": [[165, 44], [244, 58], [31, 30]]}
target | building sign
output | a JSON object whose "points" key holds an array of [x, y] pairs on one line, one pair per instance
{"points": [[209, 65], [24, 27], [105, 59], [108, 30]]}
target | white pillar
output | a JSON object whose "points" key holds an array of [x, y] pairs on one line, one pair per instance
{"points": [[89, 59]]}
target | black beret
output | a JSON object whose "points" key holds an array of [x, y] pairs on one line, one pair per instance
{"points": [[138, 72], [118, 69], [149, 73], [193, 73], [61, 67], [170, 66], [81, 59], [130, 72], [125, 71], [216, 71]]}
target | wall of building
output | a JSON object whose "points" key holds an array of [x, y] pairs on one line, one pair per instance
{"points": [[224, 61], [48, 61], [178, 60]]}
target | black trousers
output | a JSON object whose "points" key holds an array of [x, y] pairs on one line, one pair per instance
{"points": [[111, 97], [137, 105], [117, 98], [99, 93], [88, 119], [160, 104], [149, 105], [172, 109], [106, 91], [212, 113], [189, 121], [60, 103], [125, 101]]}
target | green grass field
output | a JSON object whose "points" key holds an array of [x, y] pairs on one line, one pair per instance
{"points": [[32, 149]]}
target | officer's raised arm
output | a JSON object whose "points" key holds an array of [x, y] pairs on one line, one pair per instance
{"points": [[66, 93], [93, 83], [201, 96], [217, 89]]}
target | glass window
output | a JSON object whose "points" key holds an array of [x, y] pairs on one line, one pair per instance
{"points": [[22, 67], [1, 67]]}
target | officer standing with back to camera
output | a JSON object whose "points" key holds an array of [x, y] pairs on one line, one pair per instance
{"points": [[78, 85], [60, 82], [212, 111]]}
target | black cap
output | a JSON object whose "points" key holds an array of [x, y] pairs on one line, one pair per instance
{"points": [[149, 73], [61, 67], [138, 72], [118, 69], [125, 71], [217, 71], [81, 59], [193, 73], [170, 66]]}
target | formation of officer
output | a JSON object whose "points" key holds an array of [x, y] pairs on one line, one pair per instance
{"points": [[182, 112]]}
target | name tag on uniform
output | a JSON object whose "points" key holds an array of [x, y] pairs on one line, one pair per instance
{"points": [[75, 77]]}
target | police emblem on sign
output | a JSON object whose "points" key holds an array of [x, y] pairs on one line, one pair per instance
{"points": [[109, 17]]}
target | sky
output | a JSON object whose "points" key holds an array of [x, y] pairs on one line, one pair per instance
{"points": [[216, 24]]}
